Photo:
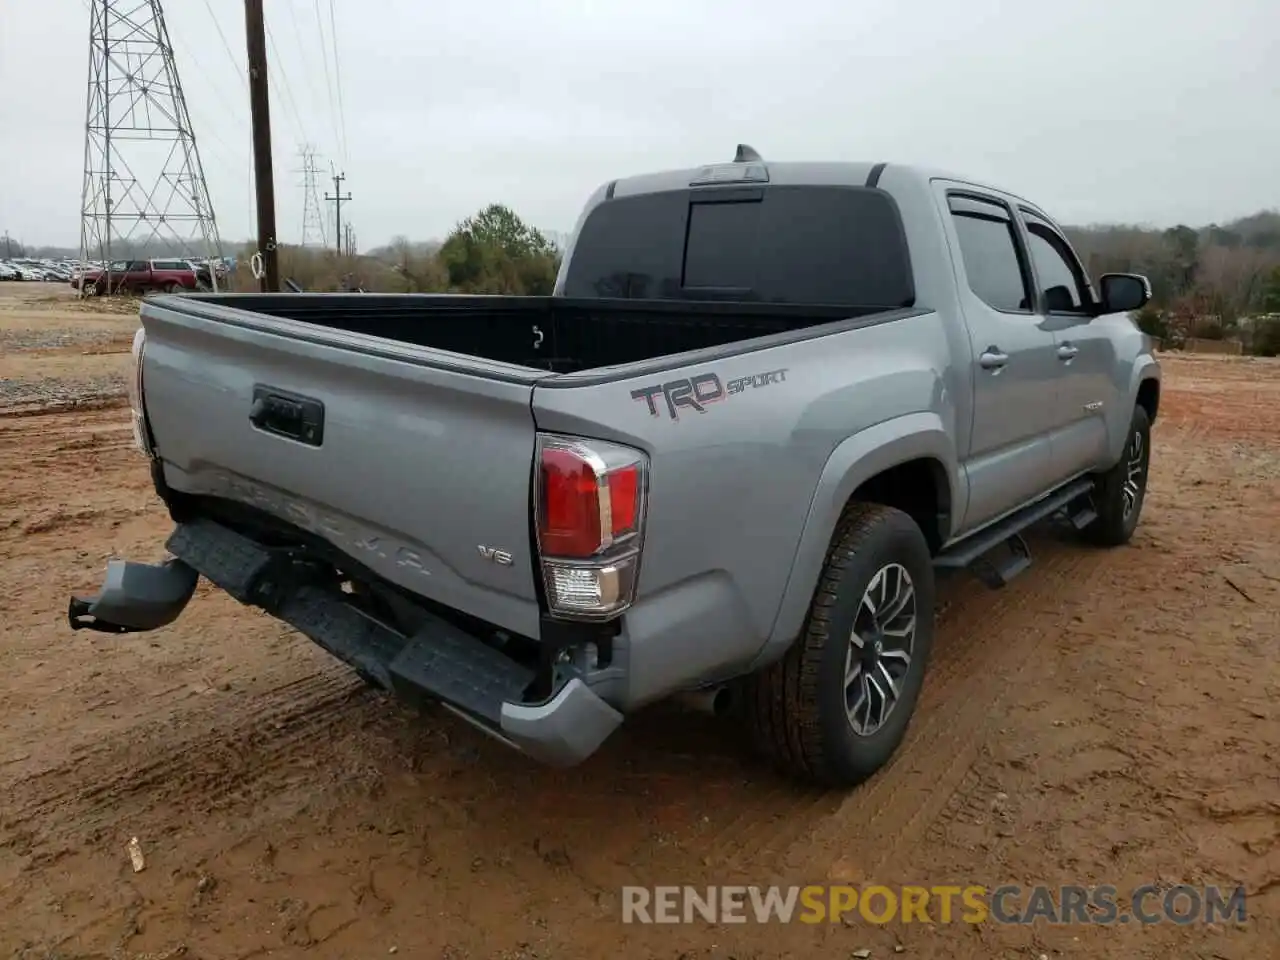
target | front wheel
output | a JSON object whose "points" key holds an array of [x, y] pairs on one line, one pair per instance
{"points": [[1121, 491], [834, 709]]}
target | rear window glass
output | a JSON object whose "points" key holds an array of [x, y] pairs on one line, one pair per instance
{"points": [[782, 244]]}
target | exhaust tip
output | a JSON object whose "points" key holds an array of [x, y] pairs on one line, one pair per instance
{"points": [[713, 701]]}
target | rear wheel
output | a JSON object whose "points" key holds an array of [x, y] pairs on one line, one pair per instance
{"points": [[835, 707], [1121, 491], [173, 288]]}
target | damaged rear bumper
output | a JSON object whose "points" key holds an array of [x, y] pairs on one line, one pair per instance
{"points": [[135, 597], [439, 662]]}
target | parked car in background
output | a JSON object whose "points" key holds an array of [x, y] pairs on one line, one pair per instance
{"points": [[207, 271], [29, 272], [8, 271], [140, 276]]}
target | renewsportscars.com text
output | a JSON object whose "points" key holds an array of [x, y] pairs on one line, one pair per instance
{"points": [[1006, 904]]}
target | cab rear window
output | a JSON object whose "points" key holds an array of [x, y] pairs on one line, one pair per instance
{"points": [[842, 246]]}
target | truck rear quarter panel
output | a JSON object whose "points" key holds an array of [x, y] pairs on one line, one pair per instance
{"points": [[740, 446]]}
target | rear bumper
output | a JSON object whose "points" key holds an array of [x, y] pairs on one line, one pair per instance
{"points": [[135, 597], [437, 663]]}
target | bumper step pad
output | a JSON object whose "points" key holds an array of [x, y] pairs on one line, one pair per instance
{"points": [[439, 662]]}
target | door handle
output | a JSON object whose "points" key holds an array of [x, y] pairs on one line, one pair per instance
{"points": [[993, 359], [1067, 351]]}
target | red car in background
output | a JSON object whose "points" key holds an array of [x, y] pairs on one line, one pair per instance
{"points": [[140, 276]]}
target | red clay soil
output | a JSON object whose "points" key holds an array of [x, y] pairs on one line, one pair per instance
{"points": [[1111, 717]]}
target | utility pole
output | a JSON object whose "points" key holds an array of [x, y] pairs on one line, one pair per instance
{"points": [[338, 200], [260, 111]]}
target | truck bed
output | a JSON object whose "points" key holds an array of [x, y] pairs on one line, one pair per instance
{"points": [[541, 333], [401, 429]]}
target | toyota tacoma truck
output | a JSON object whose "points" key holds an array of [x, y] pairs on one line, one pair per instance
{"points": [[765, 406]]}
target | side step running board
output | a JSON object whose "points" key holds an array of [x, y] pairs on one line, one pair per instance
{"points": [[997, 567], [995, 571], [1083, 517]]}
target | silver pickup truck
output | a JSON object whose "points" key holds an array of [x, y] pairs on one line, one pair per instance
{"points": [[766, 405]]}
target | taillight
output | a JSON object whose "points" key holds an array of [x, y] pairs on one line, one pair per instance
{"points": [[590, 514], [137, 413]]}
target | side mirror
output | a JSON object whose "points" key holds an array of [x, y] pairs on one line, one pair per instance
{"points": [[1124, 292]]}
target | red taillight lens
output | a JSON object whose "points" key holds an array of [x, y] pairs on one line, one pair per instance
{"points": [[570, 518], [624, 500], [590, 497], [590, 505]]}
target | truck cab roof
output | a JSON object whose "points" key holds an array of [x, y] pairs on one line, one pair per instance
{"points": [[836, 173]]}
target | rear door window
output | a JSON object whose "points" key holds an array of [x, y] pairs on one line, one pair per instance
{"points": [[989, 251]]}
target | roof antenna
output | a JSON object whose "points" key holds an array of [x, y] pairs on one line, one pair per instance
{"points": [[746, 154]]}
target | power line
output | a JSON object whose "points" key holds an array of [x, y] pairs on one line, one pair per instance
{"points": [[328, 78], [240, 72], [306, 61], [337, 74], [235, 62], [283, 74]]}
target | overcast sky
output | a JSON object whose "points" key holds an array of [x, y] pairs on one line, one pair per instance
{"points": [[1153, 111]]}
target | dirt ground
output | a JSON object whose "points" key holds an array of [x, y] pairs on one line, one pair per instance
{"points": [[1111, 717]]}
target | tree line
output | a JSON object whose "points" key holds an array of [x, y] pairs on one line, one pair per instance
{"points": [[1215, 282]]}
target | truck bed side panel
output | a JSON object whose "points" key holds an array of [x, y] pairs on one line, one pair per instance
{"points": [[428, 464], [732, 483]]}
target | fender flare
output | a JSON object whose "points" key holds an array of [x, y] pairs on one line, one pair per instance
{"points": [[1144, 368], [853, 462]]}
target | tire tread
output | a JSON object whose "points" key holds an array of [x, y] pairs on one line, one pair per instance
{"points": [[783, 714]]}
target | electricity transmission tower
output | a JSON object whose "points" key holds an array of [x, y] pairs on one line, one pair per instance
{"points": [[144, 185], [313, 218]]}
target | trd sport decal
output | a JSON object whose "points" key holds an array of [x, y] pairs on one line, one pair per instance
{"points": [[698, 392]]}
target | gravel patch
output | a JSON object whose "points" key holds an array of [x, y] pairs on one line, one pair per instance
{"points": [[50, 392], [16, 340]]}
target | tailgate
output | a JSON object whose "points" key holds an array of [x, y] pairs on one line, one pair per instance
{"points": [[418, 465]]}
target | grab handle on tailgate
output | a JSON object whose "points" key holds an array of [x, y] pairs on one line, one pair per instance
{"points": [[288, 415]]}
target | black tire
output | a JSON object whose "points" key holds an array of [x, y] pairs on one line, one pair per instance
{"points": [[1119, 509], [796, 709]]}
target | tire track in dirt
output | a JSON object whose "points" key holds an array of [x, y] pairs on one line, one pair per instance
{"points": [[985, 647], [225, 758], [778, 827]]}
